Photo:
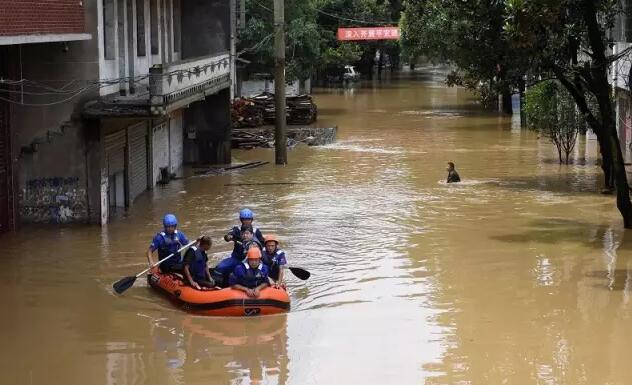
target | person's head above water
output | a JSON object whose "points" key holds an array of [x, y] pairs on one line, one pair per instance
{"points": [[205, 242], [253, 257], [246, 216], [246, 233], [450, 166], [271, 243], [170, 222]]}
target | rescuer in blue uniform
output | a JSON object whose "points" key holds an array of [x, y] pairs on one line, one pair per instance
{"points": [[226, 266], [166, 242], [274, 258], [195, 265], [251, 276]]}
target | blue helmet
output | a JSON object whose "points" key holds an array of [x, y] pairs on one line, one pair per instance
{"points": [[246, 214], [170, 220]]}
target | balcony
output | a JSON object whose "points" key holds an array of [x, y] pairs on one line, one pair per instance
{"points": [[175, 85], [170, 87]]}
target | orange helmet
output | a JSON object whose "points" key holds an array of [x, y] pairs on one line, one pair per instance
{"points": [[253, 253], [271, 238]]}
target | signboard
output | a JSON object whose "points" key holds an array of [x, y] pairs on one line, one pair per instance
{"points": [[368, 33]]}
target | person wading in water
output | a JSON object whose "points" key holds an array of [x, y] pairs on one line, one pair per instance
{"points": [[453, 176]]}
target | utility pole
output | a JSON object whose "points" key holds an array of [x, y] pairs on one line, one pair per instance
{"points": [[280, 141]]}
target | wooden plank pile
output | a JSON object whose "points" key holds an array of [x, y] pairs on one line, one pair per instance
{"points": [[248, 140], [260, 109]]}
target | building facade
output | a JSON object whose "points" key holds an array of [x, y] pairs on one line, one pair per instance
{"points": [[621, 77], [45, 24], [100, 121]]}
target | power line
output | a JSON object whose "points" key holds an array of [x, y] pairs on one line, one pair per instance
{"points": [[354, 20], [336, 16], [262, 6]]}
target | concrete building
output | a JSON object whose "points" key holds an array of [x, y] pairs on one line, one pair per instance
{"points": [[100, 121], [621, 77], [49, 26]]}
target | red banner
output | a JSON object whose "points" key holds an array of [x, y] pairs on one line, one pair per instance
{"points": [[369, 33]]}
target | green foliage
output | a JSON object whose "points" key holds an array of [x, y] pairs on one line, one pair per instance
{"points": [[468, 35], [311, 29], [551, 111], [302, 38]]}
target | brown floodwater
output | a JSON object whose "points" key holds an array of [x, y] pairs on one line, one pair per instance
{"points": [[521, 274]]}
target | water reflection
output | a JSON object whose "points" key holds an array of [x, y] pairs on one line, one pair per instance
{"points": [[204, 350]]}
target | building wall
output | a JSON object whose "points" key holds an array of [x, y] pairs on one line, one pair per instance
{"points": [[176, 143], [50, 126], [126, 60], [160, 149], [208, 121], [254, 87], [55, 192], [206, 30], [40, 17]]}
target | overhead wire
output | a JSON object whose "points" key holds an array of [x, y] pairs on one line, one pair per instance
{"points": [[336, 16]]}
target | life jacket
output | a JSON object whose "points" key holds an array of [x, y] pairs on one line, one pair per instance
{"points": [[254, 277], [272, 259], [198, 266], [170, 246], [238, 248]]}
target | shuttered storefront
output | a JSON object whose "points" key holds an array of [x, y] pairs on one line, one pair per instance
{"points": [[5, 217], [137, 155], [115, 152], [115, 155]]}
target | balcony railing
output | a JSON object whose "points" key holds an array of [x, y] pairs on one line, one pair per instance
{"points": [[188, 79]]}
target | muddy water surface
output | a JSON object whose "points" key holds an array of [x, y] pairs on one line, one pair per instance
{"points": [[518, 275]]}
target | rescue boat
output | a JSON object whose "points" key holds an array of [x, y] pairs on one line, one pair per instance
{"points": [[219, 302]]}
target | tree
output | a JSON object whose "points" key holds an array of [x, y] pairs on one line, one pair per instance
{"points": [[303, 39], [550, 110], [311, 41], [567, 40], [333, 14], [469, 35]]}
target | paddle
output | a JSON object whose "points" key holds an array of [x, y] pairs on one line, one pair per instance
{"points": [[298, 272], [127, 282]]}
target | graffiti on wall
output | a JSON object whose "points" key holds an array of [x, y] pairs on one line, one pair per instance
{"points": [[53, 200]]}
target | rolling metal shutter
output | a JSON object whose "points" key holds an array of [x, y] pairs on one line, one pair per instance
{"points": [[137, 142], [4, 171], [115, 151]]}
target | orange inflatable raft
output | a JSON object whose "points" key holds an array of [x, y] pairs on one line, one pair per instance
{"points": [[219, 302]]}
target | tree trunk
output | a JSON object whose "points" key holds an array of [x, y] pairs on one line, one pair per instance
{"points": [[506, 106], [601, 90], [523, 115]]}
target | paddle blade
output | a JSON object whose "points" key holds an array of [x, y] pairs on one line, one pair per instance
{"points": [[123, 284], [300, 273]]}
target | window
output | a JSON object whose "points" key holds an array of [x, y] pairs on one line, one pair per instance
{"points": [[628, 21], [153, 22], [109, 21], [176, 25], [140, 28]]}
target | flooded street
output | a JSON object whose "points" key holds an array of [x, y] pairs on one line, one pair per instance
{"points": [[521, 274]]}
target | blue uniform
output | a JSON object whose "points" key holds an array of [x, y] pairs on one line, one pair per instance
{"points": [[167, 244], [227, 265], [196, 259], [248, 277], [274, 262], [238, 249]]}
